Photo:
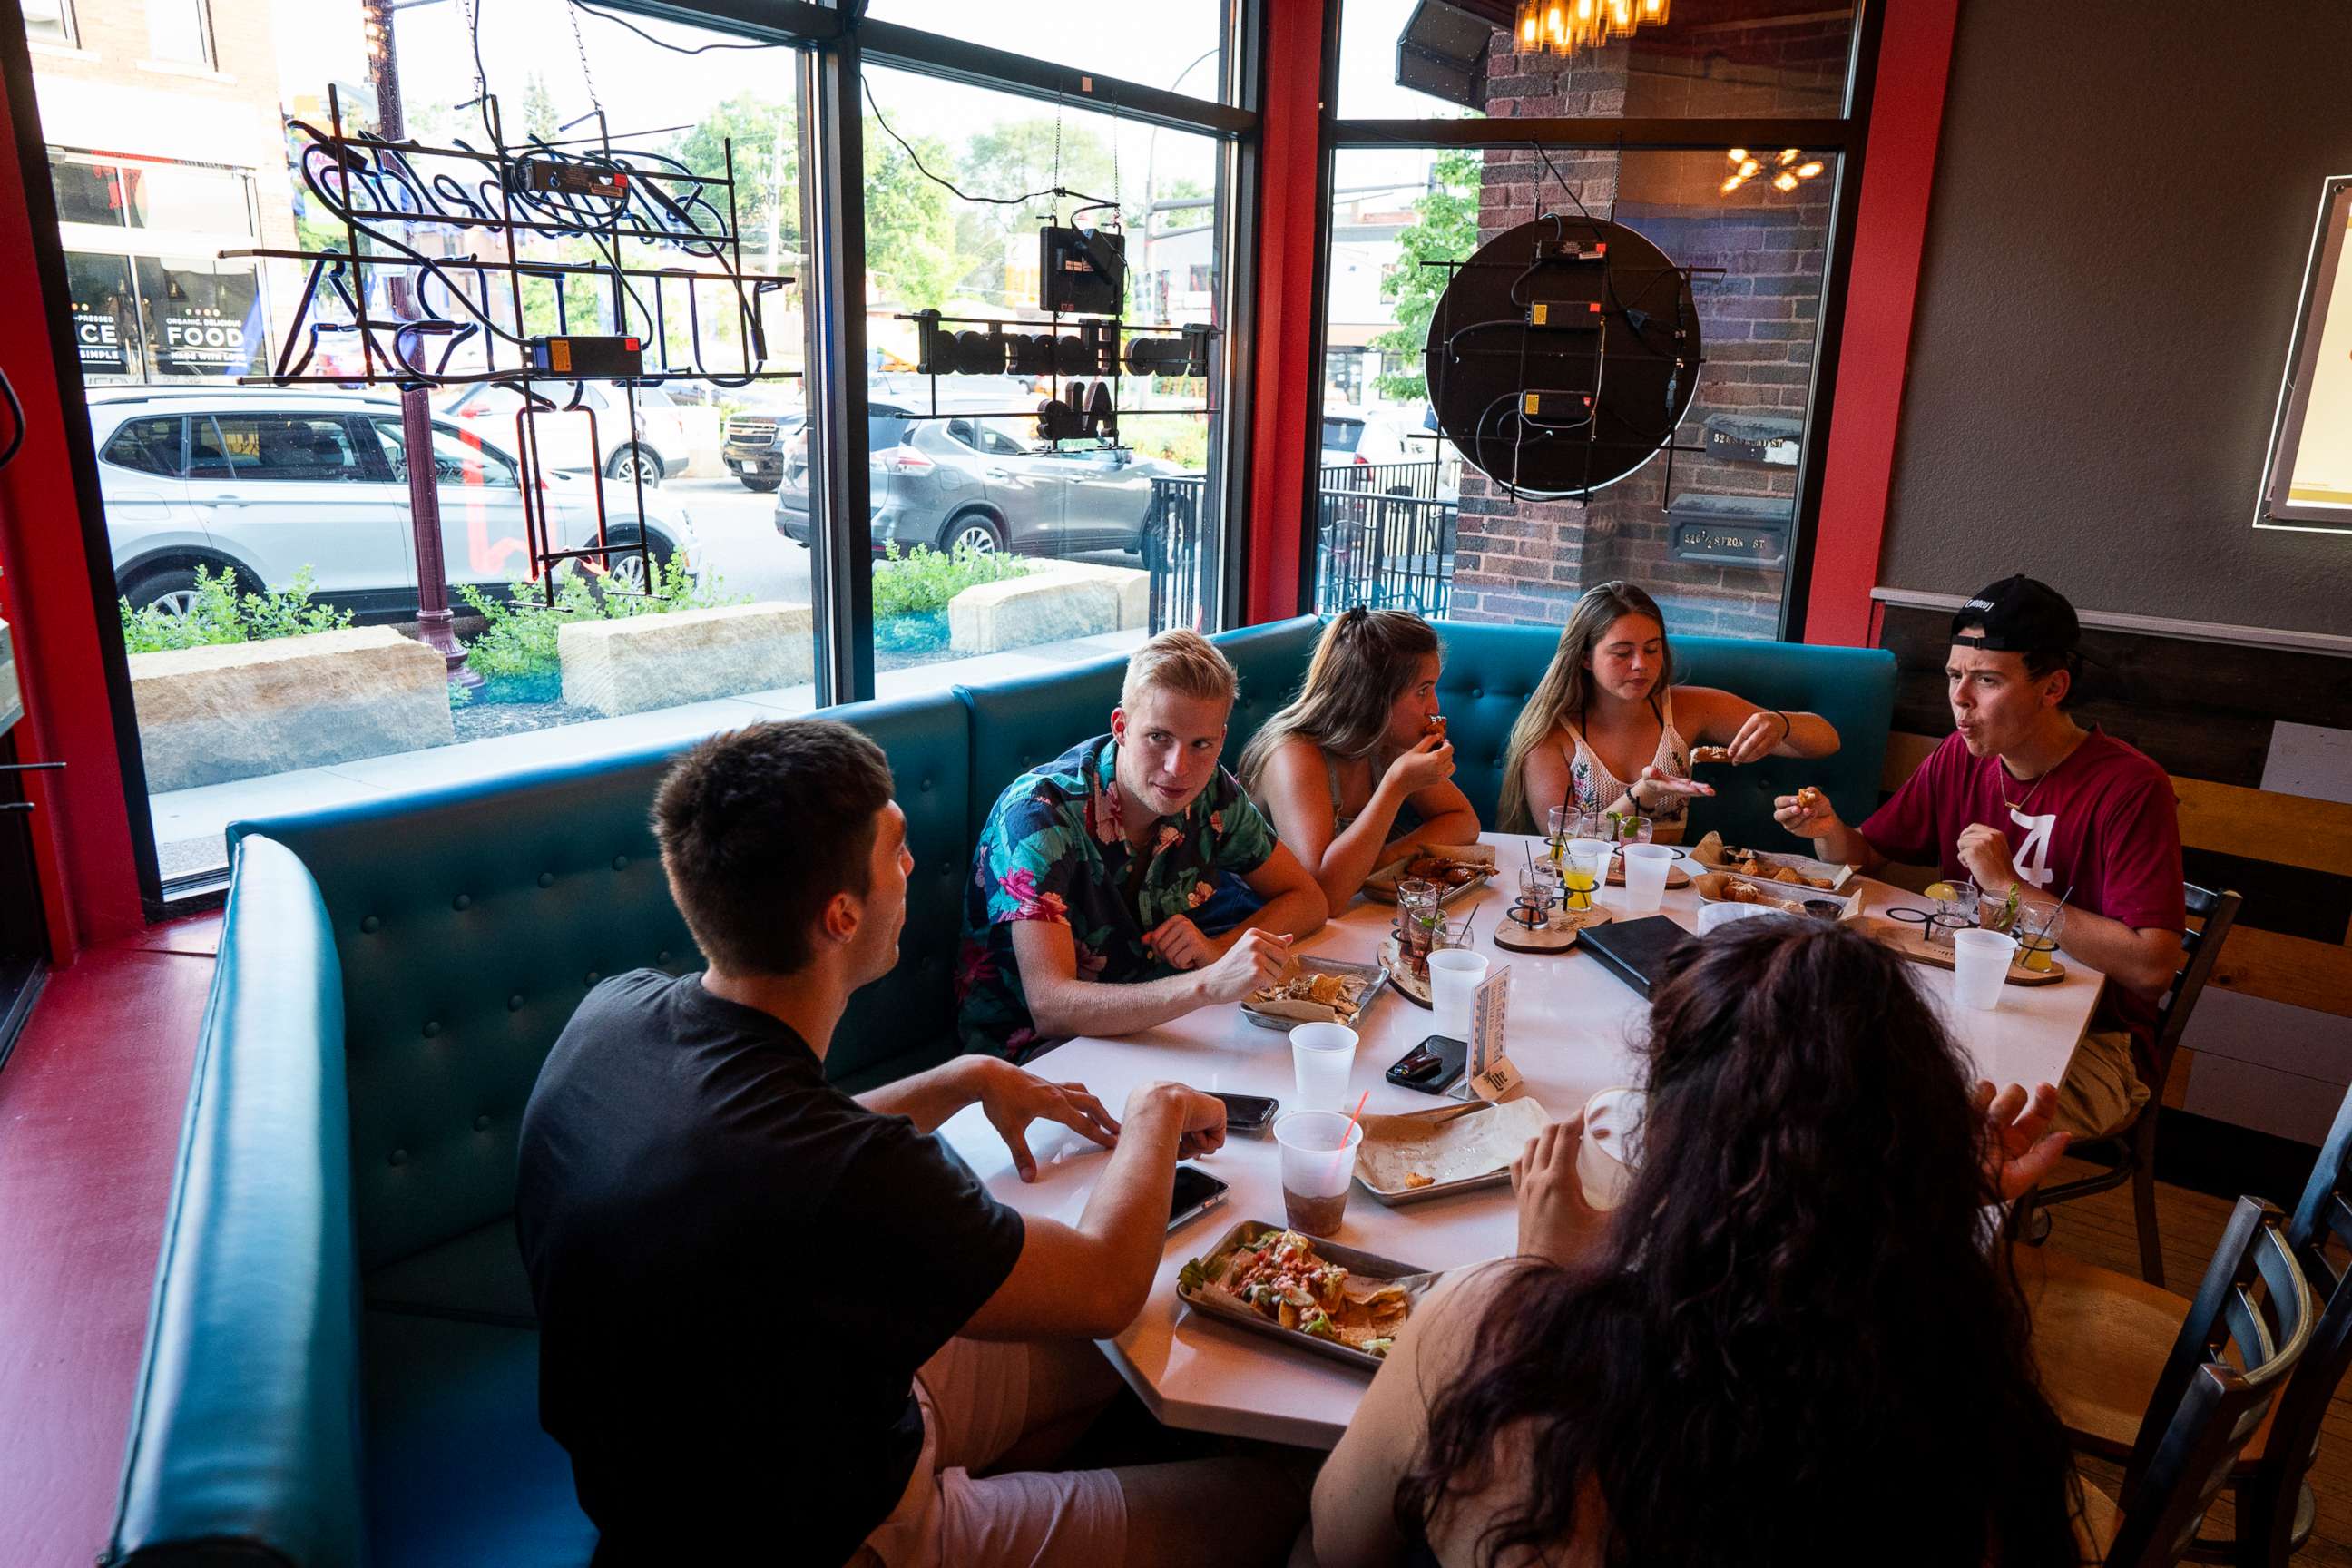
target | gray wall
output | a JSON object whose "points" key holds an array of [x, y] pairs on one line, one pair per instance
{"points": [[2123, 202]]}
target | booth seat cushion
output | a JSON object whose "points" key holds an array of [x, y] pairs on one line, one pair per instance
{"points": [[458, 1471], [1271, 661], [1490, 671], [477, 1276]]}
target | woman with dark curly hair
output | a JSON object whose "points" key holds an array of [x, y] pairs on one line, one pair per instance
{"points": [[1788, 1344]]}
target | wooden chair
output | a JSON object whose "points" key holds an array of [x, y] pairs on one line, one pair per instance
{"points": [[2128, 1152], [2243, 1336]]}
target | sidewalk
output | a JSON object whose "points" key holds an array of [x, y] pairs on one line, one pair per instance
{"points": [[189, 823]]}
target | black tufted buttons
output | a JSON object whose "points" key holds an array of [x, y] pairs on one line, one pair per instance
{"points": [[620, 862], [947, 867], [661, 957], [371, 925], [431, 1028], [514, 1002], [400, 1156], [462, 901], [1476, 693], [595, 975], [481, 1124], [547, 878], [925, 786]]}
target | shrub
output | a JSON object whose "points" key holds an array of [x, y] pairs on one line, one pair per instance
{"points": [[515, 652], [922, 581], [223, 614]]}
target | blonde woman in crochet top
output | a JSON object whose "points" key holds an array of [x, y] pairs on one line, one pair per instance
{"points": [[1609, 731]]}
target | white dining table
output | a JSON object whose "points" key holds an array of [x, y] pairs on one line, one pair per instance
{"points": [[1571, 1028]]}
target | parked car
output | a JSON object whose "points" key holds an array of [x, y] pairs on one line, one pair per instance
{"points": [[1351, 437], [264, 483], [981, 482], [754, 446], [654, 447]]}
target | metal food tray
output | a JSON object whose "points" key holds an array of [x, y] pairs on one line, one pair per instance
{"points": [[1400, 1197], [1377, 976], [1836, 876], [1365, 1264], [1380, 886]]}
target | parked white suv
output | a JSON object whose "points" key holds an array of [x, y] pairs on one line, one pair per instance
{"points": [[655, 448], [265, 482]]}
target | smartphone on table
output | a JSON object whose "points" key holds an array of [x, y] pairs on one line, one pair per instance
{"points": [[1248, 1112], [1197, 1193], [1431, 1066]]}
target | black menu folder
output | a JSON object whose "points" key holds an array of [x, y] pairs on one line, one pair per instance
{"points": [[1633, 951]]}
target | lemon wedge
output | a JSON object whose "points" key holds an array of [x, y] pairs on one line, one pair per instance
{"points": [[1941, 890]]}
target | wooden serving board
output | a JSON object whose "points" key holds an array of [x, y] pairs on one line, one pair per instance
{"points": [[1911, 942], [1677, 875], [1402, 981], [1558, 936]]}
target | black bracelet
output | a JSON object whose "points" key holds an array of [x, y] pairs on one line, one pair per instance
{"points": [[1788, 726]]}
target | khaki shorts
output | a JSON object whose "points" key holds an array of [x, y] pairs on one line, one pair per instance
{"points": [[974, 1396], [2102, 1091]]}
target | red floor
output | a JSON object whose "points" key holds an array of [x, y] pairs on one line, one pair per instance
{"points": [[90, 1103]]}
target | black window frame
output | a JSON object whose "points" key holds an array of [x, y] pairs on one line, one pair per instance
{"points": [[1844, 138]]}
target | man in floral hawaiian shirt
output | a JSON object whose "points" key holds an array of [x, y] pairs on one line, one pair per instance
{"points": [[1076, 921]]}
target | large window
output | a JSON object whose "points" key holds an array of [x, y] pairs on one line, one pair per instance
{"points": [[1712, 521], [180, 31], [52, 20], [997, 535], [260, 473]]}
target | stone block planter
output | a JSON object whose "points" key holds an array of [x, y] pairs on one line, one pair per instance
{"points": [[689, 656], [1054, 603], [207, 715]]}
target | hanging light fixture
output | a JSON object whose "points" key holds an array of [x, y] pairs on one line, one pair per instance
{"points": [[1786, 169], [1563, 26]]}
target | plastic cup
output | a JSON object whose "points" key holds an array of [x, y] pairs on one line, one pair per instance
{"points": [[1610, 1148], [1980, 966], [1645, 876], [1323, 1056], [1318, 1160], [1454, 976]]}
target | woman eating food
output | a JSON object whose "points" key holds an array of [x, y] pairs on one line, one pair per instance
{"points": [[1357, 771], [1609, 731], [1788, 1343]]}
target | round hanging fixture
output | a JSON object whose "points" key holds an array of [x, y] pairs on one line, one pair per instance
{"points": [[1563, 355]]}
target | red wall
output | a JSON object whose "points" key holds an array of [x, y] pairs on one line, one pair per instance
{"points": [[1287, 379], [1915, 60], [81, 827]]}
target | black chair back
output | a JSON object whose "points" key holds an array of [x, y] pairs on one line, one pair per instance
{"points": [[2252, 1320], [2200, 947], [2267, 1500]]}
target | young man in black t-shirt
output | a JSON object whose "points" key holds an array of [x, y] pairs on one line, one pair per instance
{"points": [[781, 1324]]}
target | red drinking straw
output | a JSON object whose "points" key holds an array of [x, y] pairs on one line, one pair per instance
{"points": [[1352, 1125]]}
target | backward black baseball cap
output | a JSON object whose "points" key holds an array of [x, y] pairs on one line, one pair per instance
{"points": [[2019, 615]]}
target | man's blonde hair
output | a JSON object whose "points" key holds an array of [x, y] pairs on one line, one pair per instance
{"points": [[1180, 661]]}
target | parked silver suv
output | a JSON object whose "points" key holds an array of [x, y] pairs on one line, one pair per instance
{"points": [[264, 482], [983, 482]]}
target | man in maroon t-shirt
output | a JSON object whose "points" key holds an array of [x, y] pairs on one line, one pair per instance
{"points": [[2020, 796]]}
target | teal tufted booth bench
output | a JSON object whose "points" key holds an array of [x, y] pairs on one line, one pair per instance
{"points": [[341, 1360]]}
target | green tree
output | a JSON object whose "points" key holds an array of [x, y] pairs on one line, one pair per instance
{"points": [[759, 131], [539, 108], [911, 255], [1017, 158], [1444, 229]]}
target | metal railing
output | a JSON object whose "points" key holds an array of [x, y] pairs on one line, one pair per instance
{"points": [[1383, 538]]}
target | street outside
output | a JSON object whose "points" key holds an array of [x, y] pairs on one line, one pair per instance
{"points": [[739, 541]]}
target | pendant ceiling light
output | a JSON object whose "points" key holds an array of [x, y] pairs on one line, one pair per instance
{"points": [[1564, 27], [1785, 171]]}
